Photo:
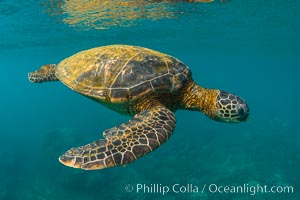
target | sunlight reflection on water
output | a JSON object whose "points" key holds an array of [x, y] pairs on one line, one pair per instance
{"points": [[86, 14]]}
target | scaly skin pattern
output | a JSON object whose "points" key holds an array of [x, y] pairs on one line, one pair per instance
{"points": [[201, 99], [125, 143]]}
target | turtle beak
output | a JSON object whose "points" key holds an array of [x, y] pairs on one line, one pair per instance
{"points": [[243, 112]]}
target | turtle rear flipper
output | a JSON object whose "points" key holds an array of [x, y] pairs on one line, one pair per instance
{"points": [[45, 74], [124, 143]]}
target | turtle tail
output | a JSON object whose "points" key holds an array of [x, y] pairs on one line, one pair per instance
{"points": [[45, 74]]}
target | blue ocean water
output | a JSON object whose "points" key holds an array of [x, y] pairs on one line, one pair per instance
{"points": [[250, 48]]}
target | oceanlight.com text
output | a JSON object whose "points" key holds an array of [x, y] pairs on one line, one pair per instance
{"points": [[208, 188]]}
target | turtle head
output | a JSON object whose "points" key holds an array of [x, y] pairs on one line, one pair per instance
{"points": [[230, 108], [216, 104]]}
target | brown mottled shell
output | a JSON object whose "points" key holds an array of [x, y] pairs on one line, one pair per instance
{"points": [[121, 73]]}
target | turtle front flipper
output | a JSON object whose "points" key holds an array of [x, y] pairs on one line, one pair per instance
{"points": [[124, 143], [45, 74]]}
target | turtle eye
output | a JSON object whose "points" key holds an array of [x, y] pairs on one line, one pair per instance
{"points": [[231, 108]]}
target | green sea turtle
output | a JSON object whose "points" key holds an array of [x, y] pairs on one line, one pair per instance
{"points": [[136, 81]]}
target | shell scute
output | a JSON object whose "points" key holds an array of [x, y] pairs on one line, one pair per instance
{"points": [[162, 83], [141, 89], [119, 73]]}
